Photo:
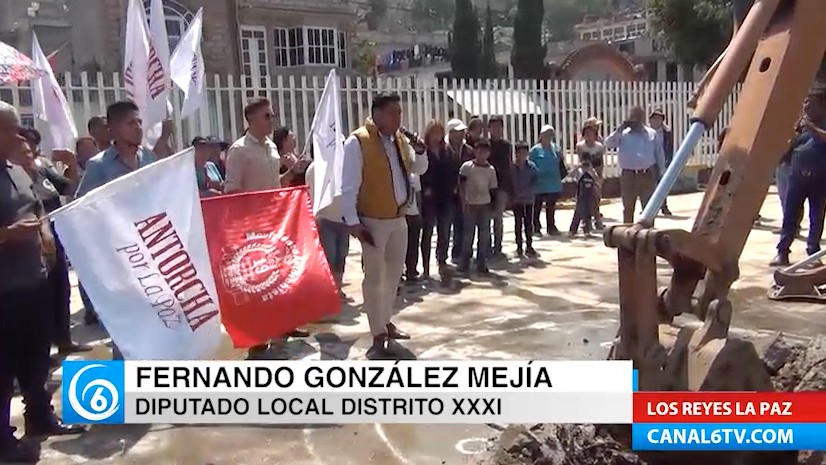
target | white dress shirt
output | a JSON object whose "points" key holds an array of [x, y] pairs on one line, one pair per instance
{"points": [[351, 174]]}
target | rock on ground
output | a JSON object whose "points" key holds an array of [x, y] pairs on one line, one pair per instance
{"points": [[794, 367]]}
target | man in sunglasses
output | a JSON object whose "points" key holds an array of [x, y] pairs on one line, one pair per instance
{"points": [[253, 164]]}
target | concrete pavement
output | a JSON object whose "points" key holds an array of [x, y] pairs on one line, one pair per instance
{"points": [[562, 308]]}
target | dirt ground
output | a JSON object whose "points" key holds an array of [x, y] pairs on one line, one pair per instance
{"points": [[564, 307]]}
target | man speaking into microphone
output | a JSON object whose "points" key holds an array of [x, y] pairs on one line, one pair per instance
{"points": [[375, 191]]}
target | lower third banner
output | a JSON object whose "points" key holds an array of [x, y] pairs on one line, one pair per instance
{"points": [[270, 270], [728, 436]]}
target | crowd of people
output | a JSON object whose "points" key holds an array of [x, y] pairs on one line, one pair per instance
{"points": [[454, 179]]}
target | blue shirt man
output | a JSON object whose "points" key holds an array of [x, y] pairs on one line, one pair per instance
{"points": [[127, 131], [107, 166], [806, 183]]}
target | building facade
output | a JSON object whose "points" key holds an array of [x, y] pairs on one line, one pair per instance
{"points": [[253, 38], [630, 32]]}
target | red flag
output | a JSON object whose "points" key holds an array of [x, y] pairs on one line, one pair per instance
{"points": [[270, 270]]}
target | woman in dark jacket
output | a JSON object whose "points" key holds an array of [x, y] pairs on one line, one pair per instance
{"points": [[439, 184]]}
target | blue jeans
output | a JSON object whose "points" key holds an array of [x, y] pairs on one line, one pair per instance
{"points": [[439, 217], [477, 220], [335, 240], [803, 187], [782, 182]]}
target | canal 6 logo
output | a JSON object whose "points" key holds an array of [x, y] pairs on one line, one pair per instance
{"points": [[93, 392]]}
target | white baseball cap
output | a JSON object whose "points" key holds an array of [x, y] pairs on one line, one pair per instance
{"points": [[546, 128], [456, 125]]}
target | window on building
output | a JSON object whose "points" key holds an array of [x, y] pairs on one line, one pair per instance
{"points": [[671, 72], [619, 33], [636, 30], [608, 34], [627, 48], [301, 46], [280, 46], [254, 65], [322, 47], [296, 47], [342, 49], [177, 18]]}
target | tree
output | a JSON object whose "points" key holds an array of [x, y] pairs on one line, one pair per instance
{"points": [[488, 67], [464, 43], [528, 53], [694, 31], [563, 15]]}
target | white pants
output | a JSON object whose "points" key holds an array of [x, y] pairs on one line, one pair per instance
{"points": [[383, 266]]}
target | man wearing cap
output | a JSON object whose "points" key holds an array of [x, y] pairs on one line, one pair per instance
{"points": [[666, 139], [460, 152], [375, 193], [641, 158]]}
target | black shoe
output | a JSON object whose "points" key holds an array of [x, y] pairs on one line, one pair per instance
{"points": [[257, 352], [780, 259], [380, 350], [482, 269], [519, 253], [532, 253], [53, 428], [553, 232], [395, 333], [537, 234], [298, 333], [667, 212], [14, 451]]}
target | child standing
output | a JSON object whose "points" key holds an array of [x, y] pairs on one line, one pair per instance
{"points": [[586, 186], [477, 190], [524, 182]]}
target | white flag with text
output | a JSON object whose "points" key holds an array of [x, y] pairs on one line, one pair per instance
{"points": [[328, 146], [50, 105], [187, 66], [143, 261], [144, 73]]}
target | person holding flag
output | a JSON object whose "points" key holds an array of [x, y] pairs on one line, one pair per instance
{"points": [[125, 155], [253, 164], [375, 192], [26, 249]]}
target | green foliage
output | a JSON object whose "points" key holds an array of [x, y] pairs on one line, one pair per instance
{"points": [[489, 68], [465, 48], [528, 54], [563, 15], [695, 31]]}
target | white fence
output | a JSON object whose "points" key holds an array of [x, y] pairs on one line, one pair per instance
{"points": [[525, 105]]}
